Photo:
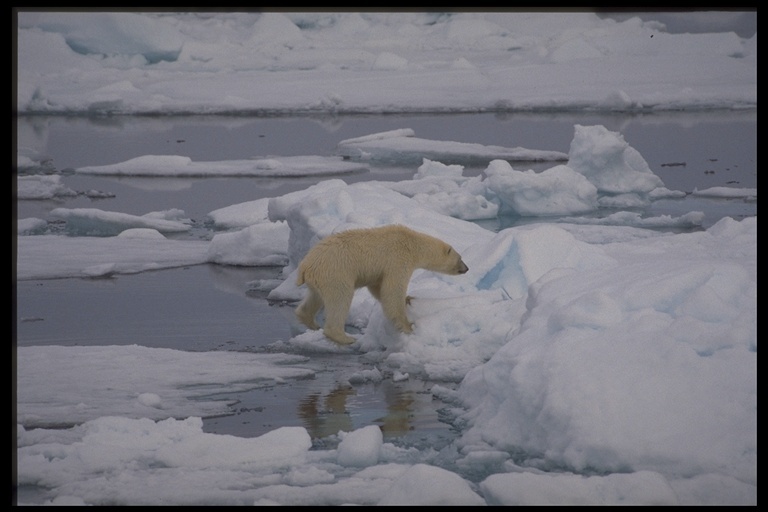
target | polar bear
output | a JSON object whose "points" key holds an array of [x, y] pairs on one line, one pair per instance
{"points": [[382, 259]]}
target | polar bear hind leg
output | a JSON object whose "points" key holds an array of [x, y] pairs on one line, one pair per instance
{"points": [[337, 302], [309, 307]]}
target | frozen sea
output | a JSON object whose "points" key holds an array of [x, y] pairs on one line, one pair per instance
{"points": [[164, 365]]}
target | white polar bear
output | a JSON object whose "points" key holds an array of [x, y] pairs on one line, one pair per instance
{"points": [[382, 259]]}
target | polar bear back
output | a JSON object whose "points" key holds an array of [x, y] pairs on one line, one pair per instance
{"points": [[363, 256]]}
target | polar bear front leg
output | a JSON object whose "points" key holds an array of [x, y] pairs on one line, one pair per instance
{"points": [[393, 301]]}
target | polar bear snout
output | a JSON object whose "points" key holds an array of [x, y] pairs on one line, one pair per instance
{"points": [[462, 268]]}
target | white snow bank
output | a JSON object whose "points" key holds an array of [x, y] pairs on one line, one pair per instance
{"points": [[181, 464], [361, 447], [601, 351], [264, 244], [609, 162], [603, 170], [241, 215], [443, 189], [97, 256], [639, 488], [171, 446], [422, 484], [556, 191], [145, 233], [643, 487], [95, 222]]}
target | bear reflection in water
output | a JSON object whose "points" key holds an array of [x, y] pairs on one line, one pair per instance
{"points": [[327, 415]]}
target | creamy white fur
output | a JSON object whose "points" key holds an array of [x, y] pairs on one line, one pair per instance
{"points": [[381, 259]]}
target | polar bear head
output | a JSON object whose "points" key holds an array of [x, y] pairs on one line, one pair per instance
{"points": [[446, 260]]}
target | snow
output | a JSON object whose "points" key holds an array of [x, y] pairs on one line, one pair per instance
{"points": [[361, 447], [170, 165], [592, 360], [373, 62], [401, 146], [262, 244], [727, 192], [42, 187]]}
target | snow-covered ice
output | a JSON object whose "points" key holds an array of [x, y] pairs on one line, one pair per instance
{"points": [[373, 62], [585, 358], [171, 165], [95, 222], [403, 147], [149, 391]]}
